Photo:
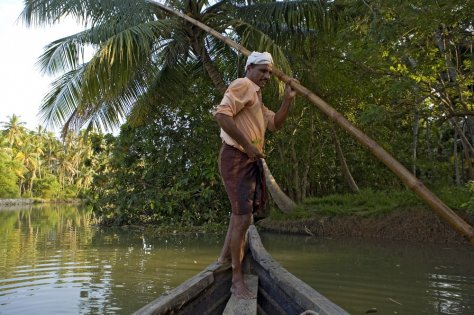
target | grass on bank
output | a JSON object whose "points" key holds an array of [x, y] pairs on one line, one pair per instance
{"points": [[369, 203]]}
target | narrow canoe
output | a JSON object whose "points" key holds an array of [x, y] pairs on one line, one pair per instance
{"points": [[279, 292]]}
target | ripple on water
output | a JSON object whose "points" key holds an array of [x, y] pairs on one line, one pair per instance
{"points": [[49, 266], [56, 283]]}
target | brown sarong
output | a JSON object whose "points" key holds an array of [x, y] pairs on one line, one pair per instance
{"points": [[244, 180]]}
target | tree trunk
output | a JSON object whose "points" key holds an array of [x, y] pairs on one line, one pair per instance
{"points": [[468, 148], [305, 182], [470, 128], [428, 148], [211, 70], [416, 127], [20, 184], [295, 173], [457, 177], [343, 163]]}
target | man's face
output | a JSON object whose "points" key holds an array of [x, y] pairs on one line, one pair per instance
{"points": [[259, 74]]}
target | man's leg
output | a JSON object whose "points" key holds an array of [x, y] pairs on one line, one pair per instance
{"points": [[225, 252], [240, 224]]}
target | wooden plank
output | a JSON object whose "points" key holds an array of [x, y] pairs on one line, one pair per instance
{"points": [[237, 306]]}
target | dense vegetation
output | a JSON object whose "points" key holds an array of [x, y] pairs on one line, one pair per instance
{"points": [[36, 164], [371, 203], [402, 71], [165, 171]]}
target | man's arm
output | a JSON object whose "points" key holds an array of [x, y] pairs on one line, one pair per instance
{"points": [[282, 113], [228, 125]]}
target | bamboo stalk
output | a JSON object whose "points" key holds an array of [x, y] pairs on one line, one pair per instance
{"points": [[461, 226]]}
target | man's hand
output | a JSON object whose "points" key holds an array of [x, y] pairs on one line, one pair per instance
{"points": [[252, 151], [289, 92]]}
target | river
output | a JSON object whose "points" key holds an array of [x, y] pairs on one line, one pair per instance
{"points": [[53, 260]]}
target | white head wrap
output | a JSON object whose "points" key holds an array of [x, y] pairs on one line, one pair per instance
{"points": [[258, 58]]}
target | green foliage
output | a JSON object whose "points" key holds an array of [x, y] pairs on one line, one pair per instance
{"points": [[37, 164], [469, 204], [370, 202], [8, 179], [386, 66], [47, 187], [165, 172], [379, 69]]}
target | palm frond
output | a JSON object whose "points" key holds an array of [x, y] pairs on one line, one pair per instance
{"points": [[229, 61], [105, 114], [63, 99], [67, 53], [62, 55], [255, 39], [86, 12], [170, 82], [68, 105], [120, 58], [281, 19]]}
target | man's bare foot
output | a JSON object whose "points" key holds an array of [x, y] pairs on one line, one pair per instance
{"points": [[224, 260], [241, 292]]}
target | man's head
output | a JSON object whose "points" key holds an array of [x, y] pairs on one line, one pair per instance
{"points": [[259, 67]]}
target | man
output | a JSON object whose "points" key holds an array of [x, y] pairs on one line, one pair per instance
{"points": [[243, 119]]}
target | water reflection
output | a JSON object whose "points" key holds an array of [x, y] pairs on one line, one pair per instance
{"points": [[446, 291], [53, 260]]}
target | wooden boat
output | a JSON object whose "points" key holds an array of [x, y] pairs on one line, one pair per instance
{"points": [[279, 292]]}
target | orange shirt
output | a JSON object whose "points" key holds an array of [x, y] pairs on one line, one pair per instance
{"points": [[242, 101]]}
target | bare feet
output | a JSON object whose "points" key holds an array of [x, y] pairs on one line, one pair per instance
{"points": [[241, 292], [224, 260]]}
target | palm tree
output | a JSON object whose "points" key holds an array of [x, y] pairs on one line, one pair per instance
{"points": [[142, 54], [14, 131]]}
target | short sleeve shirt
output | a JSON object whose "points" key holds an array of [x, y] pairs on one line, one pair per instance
{"points": [[242, 101]]}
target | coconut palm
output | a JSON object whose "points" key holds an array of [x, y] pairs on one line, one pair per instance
{"points": [[30, 161], [143, 54], [14, 130]]}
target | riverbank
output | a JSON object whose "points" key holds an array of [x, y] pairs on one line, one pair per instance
{"points": [[417, 224], [30, 201], [395, 215], [16, 202]]}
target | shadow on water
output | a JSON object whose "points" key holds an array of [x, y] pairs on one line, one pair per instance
{"points": [[53, 260]]}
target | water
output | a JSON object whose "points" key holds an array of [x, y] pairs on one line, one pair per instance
{"points": [[53, 261], [387, 276]]}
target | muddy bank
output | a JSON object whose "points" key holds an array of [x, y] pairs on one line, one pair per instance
{"points": [[418, 224], [14, 202], [31, 201]]}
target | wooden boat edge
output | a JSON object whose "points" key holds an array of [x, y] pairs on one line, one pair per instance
{"points": [[307, 297], [191, 290], [175, 298]]}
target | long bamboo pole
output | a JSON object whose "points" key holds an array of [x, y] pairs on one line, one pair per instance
{"points": [[461, 226]]}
